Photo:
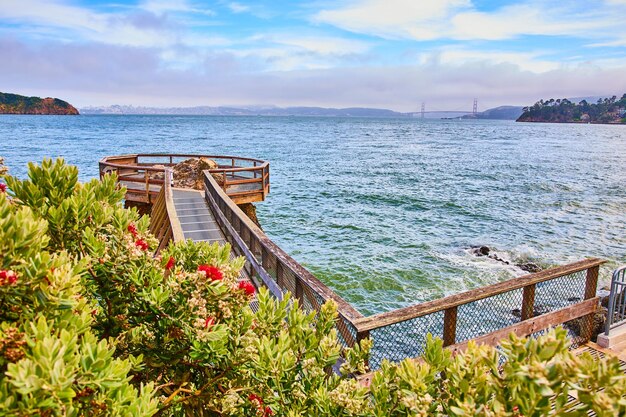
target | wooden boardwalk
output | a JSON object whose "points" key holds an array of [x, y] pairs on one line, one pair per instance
{"points": [[196, 219], [545, 299]]}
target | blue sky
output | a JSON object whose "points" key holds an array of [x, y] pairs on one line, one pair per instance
{"points": [[375, 53]]}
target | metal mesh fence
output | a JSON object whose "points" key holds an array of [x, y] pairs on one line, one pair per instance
{"points": [[473, 319], [560, 292], [480, 317], [403, 340]]}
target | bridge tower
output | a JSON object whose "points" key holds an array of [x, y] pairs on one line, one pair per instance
{"points": [[423, 109], [475, 108]]}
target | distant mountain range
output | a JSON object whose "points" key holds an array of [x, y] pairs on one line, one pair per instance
{"points": [[503, 112], [245, 111], [16, 104]]}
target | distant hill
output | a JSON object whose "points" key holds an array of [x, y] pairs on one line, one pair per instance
{"points": [[16, 104], [246, 111], [607, 110], [498, 113]]}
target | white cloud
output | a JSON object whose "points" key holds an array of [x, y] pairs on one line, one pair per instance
{"points": [[394, 18], [184, 6], [459, 57], [238, 7], [458, 19], [137, 76]]}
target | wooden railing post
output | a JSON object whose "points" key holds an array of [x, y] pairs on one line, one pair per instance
{"points": [[528, 302], [147, 179], [299, 290], [591, 284], [280, 278], [449, 326]]}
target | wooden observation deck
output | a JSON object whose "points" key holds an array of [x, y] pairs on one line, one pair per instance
{"points": [[525, 305], [244, 180]]}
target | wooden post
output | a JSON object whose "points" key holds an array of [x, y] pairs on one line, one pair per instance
{"points": [[147, 178], [528, 302], [449, 326], [591, 284], [360, 336], [280, 279], [299, 290]]}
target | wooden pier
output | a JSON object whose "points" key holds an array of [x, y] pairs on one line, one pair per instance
{"points": [[525, 306]]}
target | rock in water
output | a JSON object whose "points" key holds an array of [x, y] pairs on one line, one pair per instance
{"points": [[188, 174], [480, 250], [529, 267]]}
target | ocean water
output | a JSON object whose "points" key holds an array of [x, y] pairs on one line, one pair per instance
{"points": [[384, 210]]}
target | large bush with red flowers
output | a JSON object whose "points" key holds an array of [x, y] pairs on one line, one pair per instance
{"points": [[91, 323]]}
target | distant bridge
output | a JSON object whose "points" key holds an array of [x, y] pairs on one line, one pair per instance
{"points": [[423, 111]]}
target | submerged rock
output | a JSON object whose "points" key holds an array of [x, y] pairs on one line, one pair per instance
{"points": [[486, 251], [538, 310], [529, 267], [188, 174]]}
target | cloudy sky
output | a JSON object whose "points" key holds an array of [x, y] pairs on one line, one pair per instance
{"points": [[372, 53]]}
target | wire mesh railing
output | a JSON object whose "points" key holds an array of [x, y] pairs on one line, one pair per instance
{"points": [[617, 300], [524, 306]]}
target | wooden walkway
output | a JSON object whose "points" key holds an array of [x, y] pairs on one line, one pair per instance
{"points": [[196, 219], [565, 293]]}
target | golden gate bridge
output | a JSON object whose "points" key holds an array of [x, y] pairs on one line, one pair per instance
{"points": [[423, 111]]}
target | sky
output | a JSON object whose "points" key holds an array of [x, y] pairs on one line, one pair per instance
{"points": [[394, 54]]}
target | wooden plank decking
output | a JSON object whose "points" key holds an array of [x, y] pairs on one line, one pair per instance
{"points": [[196, 220]]}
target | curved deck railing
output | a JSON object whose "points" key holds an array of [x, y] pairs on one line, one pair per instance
{"points": [[525, 305], [244, 180], [164, 223]]}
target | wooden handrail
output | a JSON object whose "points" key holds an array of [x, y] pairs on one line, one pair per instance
{"points": [[442, 304], [345, 308], [132, 168], [177, 229]]}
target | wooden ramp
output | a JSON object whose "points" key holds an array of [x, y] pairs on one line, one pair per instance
{"points": [[199, 225], [196, 219]]}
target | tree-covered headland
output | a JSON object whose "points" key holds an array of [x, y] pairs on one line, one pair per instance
{"points": [[608, 110], [93, 324]]}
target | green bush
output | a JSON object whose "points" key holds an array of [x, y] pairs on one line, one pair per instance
{"points": [[93, 324]]}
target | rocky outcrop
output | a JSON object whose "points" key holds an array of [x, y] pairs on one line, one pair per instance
{"points": [[16, 104], [486, 251], [188, 174], [249, 210]]}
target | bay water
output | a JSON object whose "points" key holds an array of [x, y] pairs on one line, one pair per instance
{"points": [[385, 211]]}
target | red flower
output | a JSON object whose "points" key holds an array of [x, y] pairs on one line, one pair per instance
{"points": [[268, 411], [212, 272], [3, 187], [170, 263], [8, 277], [247, 287], [132, 229], [141, 244], [255, 398], [209, 321]]}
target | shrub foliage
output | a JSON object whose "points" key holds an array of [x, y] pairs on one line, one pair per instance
{"points": [[91, 323]]}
